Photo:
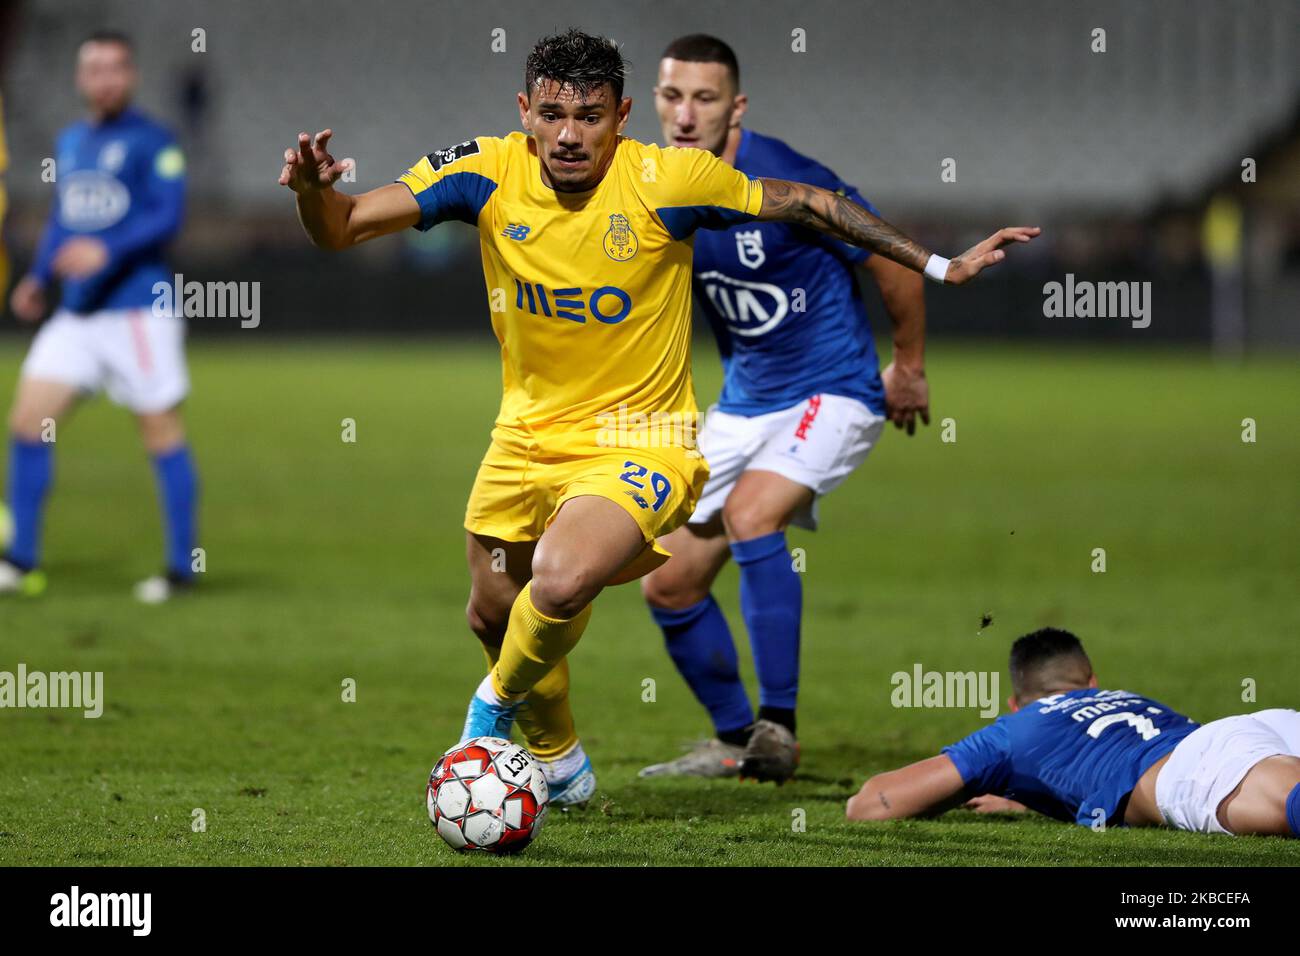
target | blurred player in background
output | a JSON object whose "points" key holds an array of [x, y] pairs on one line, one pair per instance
{"points": [[121, 192], [1103, 757], [8, 16], [8, 29], [4, 204], [585, 239], [803, 403]]}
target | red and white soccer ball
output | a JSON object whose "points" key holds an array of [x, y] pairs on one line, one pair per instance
{"points": [[487, 794]]}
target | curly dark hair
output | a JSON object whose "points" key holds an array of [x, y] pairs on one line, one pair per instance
{"points": [[578, 60]]}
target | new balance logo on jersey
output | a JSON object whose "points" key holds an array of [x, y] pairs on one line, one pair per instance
{"points": [[516, 231], [750, 308]]}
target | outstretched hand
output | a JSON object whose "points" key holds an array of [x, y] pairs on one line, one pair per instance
{"points": [[310, 166], [987, 253]]}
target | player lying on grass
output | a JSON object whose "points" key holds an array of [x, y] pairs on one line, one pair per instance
{"points": [[586, 247], [803, 402], [121, 195], [1108, 757]]}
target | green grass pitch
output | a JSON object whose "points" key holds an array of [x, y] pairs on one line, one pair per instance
{"points": [[328, 560]]}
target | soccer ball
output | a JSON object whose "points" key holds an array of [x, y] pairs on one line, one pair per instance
{"points": [[487, 794]]}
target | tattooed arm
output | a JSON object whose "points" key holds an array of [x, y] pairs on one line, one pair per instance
{"points": [[828, 212]]}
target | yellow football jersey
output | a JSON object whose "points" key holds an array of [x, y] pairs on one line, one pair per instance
{"points": [[590, 293]]}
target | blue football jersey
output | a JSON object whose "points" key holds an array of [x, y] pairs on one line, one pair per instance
{"points": [[1070, 754], [121, 181], [783, 300]]}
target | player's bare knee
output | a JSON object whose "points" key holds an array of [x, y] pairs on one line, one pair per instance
{"points": [[24, 424], [162, 432], [655, 592], [745, 521], [487, 619], [559, 598], [478, 624], [670, 591], [562, 593]]}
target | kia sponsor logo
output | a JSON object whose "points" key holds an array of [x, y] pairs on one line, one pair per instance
{"points": [[90, 200], [750, 308]]}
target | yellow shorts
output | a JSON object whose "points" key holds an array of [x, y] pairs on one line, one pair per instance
{"points": [[524, 479]]}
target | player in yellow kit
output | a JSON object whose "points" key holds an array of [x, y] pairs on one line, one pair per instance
{"points": [[590, 297], [585, 238]]}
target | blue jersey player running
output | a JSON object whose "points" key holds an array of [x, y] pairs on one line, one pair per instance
{"points": [[802, 404], [1103, 758], [121, 189]]}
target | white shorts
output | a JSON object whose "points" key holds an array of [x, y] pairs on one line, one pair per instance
{"points": [[137, 357], [1209, 762], [816, 443]]}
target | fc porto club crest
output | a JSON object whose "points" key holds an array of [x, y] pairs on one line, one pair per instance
{"points": [[620, 240]]}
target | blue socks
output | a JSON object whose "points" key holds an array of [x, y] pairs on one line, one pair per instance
{"points": [[178, 490], [1293, 810], [31, 469], [699, 642], [771, 600]]}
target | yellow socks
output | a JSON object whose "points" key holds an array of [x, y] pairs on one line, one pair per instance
{"points": [[533, 646], [531, 665], [545, 719]]}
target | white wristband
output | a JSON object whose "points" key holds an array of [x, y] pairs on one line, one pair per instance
{"points": [[936, 268]]}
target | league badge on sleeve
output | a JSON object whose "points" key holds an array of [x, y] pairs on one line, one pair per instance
{"points": [[170, 163], [442, 157]]}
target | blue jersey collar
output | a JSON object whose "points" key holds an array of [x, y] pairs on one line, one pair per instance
{"points": [[743, 149], [126, 116]]}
